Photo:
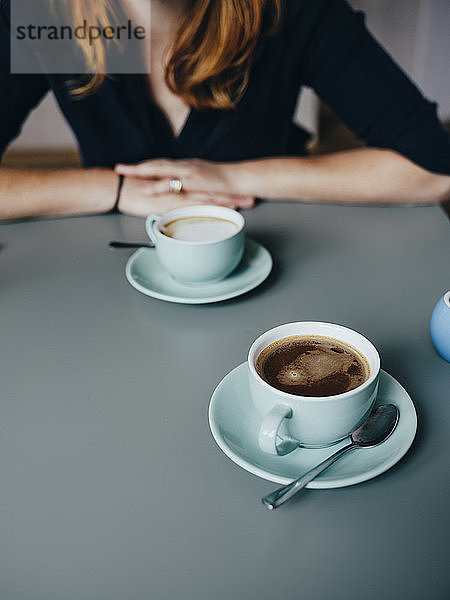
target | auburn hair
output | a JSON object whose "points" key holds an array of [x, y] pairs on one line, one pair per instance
{"points": [[211, 52]]}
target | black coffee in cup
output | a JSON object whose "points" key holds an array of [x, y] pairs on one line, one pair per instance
{"points": [[312, 366]]}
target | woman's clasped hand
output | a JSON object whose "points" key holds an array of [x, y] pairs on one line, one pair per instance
{"points": [[147, 186]]}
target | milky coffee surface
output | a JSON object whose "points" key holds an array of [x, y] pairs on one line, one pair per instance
{"points": [[200, 229]]}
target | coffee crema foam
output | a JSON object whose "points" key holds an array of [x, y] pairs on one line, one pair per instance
{"points": [[200, 229], [312, 366]]}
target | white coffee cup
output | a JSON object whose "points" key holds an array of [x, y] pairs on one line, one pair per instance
{"points": [[198, 262], [313, 422]]}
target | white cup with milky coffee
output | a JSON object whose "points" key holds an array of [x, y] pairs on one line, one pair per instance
{"points": [[198, 245], [312, 384]]}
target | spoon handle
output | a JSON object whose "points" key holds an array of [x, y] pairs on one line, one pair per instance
{"points": [[285, 493], [130, 245]]}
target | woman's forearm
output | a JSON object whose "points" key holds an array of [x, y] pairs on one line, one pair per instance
{"points": [[38, 193], [366, 175]]}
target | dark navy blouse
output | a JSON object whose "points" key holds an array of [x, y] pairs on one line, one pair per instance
{"points": [[322, 44]]}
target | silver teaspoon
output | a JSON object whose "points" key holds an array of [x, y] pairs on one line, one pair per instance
{"points": [[377, 427], [131, 245]]}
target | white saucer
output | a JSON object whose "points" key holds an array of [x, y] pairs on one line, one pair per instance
{"points": [[234, 424], [145, 273]]}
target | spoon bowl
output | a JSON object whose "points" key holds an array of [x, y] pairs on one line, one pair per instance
{"points": [[379, 425]]}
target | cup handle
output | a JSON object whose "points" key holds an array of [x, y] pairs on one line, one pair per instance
{"points": [[269, 429], [150, 226]]}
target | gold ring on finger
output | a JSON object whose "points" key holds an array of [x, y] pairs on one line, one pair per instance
{"points": [[176, 186]]}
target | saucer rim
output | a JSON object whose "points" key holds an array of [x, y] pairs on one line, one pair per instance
{"points": [[208, 298], [338, 482]]}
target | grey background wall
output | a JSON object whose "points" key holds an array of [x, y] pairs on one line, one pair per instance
{"points": [[414, 31]]}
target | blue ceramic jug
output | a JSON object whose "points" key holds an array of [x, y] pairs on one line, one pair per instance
{"points": [[440, 326]]}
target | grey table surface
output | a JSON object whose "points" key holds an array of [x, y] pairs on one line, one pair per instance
{"points": [[111, 485]]}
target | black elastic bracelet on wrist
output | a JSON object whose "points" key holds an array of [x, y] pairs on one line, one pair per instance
{"points": [[115, 208]]}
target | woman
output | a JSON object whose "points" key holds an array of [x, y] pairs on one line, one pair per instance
{"points": [[212, 121]]}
